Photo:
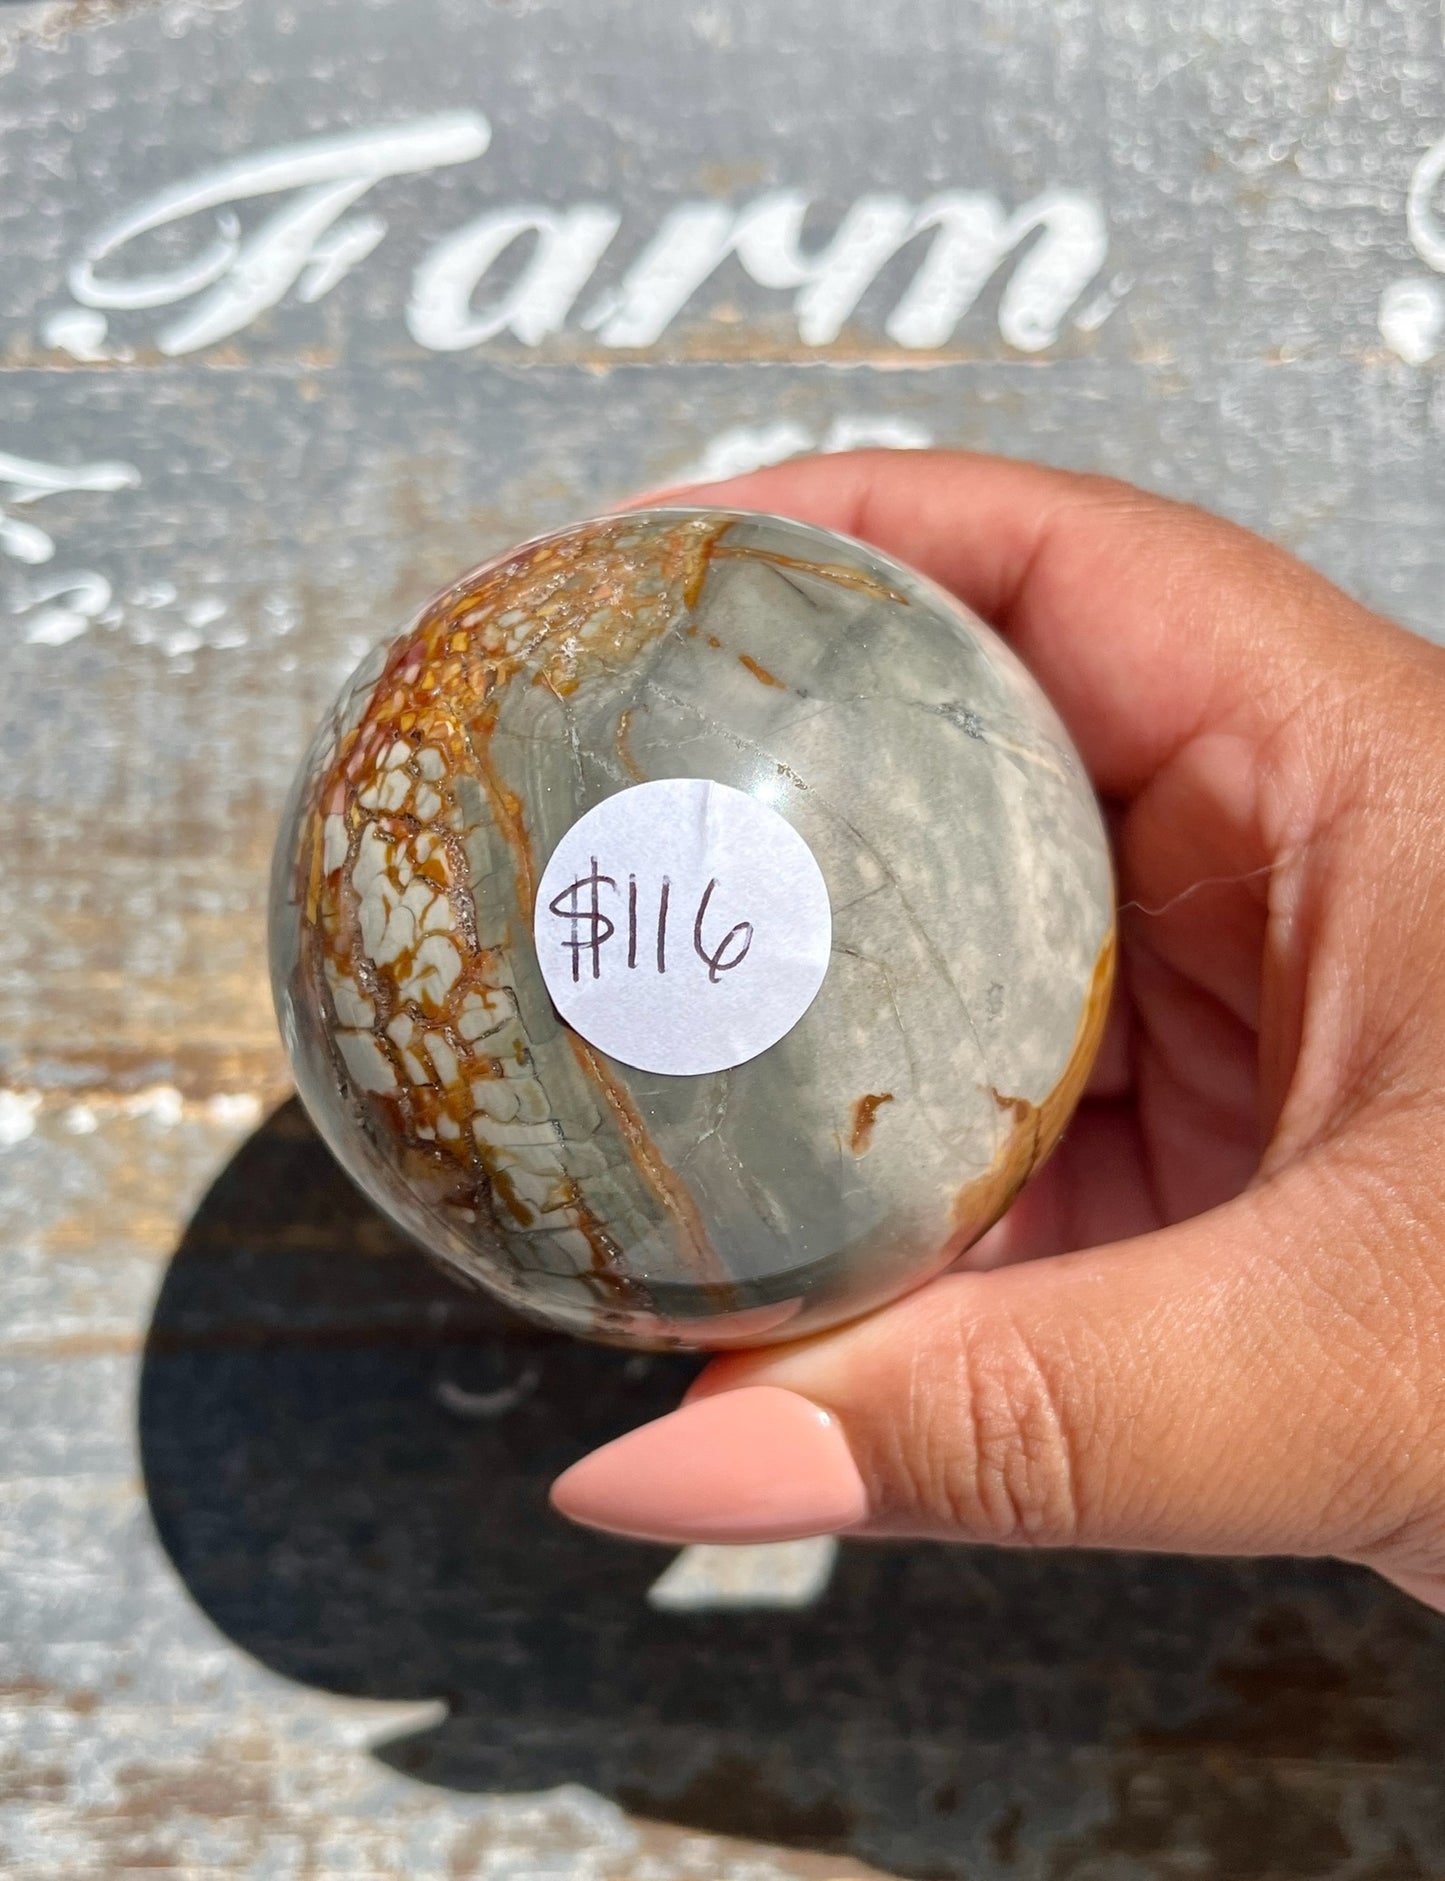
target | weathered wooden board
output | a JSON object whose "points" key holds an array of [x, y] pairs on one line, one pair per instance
{"points": [[302, 309]]}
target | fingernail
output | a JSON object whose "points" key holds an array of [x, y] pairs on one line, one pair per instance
{"points": [[758, 1464]]}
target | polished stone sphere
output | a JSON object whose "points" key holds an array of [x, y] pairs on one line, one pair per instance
{"points": [[919, 1076]]}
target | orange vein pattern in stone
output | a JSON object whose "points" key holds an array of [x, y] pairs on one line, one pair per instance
{"points": [[425, 1018], [1037, 1127], [858, 579]]}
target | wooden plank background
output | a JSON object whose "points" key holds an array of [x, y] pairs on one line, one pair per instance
{"points": [[279, 1595]]}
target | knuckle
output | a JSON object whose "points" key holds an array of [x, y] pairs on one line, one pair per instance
{"points": [[1000, 1449], [1116, 493]]}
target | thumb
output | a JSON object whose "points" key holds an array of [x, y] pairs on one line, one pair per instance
{"points": [[1191, 1389]]}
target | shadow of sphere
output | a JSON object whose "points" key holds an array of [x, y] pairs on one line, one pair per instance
{"points": [[347, 1454], [347, 1458]]}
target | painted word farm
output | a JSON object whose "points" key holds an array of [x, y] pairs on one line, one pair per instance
{"points": [[311, 232]]}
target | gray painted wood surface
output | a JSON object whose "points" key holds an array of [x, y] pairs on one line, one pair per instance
{"points": [[278, 1592]]}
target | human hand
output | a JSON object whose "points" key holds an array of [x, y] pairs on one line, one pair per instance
{"points": [[1215, 1321]]}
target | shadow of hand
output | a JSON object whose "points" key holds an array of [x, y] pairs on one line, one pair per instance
{"points": [[347, 1458]]}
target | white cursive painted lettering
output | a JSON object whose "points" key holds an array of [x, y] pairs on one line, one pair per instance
{"points": [[741, 448], [1423, 225], [972, 238], [27, 480], [1053, 246], [299, 243], [1412, 310], [569, 244]]}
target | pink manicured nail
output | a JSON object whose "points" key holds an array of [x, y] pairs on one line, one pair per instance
{"points": [[758, 1464]]}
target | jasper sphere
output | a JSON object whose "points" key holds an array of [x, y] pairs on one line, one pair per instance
{"points": [[961, 986]]}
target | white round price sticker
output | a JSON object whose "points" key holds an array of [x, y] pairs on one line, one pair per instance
{"points": [[682, 926]]}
